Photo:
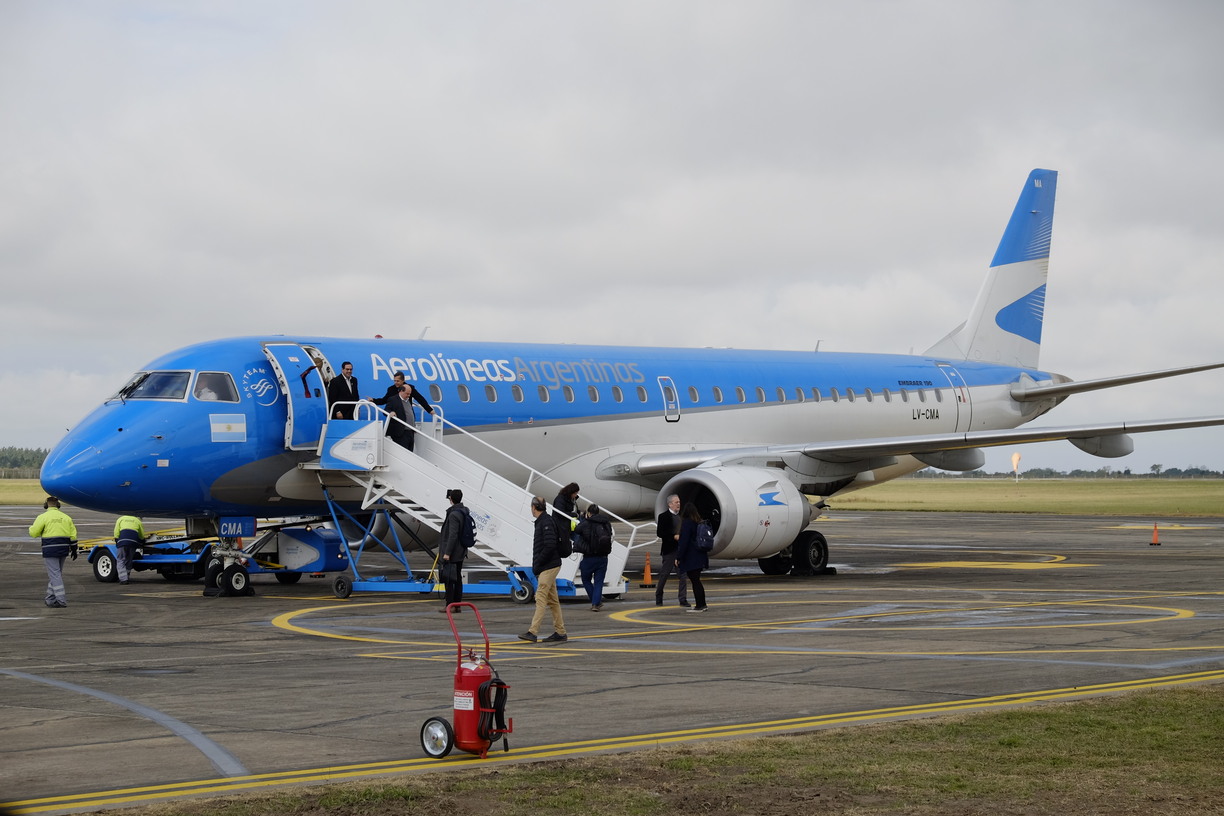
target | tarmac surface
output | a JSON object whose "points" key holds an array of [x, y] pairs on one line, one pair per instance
{"points": [[152, 691]]}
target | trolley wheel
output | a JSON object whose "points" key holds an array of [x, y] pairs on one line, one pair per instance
{"points": [[234, 580], [212, 572], [288, 577], [105, 569], [523, 594], [437, 737], [343, 587]]}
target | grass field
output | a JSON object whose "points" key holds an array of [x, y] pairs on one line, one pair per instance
{"points": [[1158, 498]]}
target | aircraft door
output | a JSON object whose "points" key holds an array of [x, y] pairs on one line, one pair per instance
{"points": [[964, 409], [671, 399], [307, 396]]}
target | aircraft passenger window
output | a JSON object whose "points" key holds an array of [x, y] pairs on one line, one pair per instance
{"points": [[781, 394], [718, 395], [215, 386], [760, 394], [669, 395], [693, 395], [850, 394], [816, 394], [938, 395], [904, 395], [833, 392], [569, 393], [641, 391], [921, 395], [799, 395], [593, 393], [867, 393], [543, 392], [435, 392], [739, 394], [490, 393], [887, 395], [156, 385], [517, 391], [618, 394], [464, 394]]}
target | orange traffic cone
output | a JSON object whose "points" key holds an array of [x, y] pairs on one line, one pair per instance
{"points": [[1155, 536], [647, 580]]}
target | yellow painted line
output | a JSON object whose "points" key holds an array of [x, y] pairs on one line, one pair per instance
{"points": [[1007, 565], [153, 793]]}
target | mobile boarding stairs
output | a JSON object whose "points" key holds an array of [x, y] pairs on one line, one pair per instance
{"points": [[356, 457]]}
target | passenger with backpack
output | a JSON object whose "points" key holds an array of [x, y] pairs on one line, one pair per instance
{"points": [[691, 559], [594, 542], [458, 534]]}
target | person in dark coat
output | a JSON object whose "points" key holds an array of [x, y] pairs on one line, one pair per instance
{"points": [[399, 406], [667, 527], [595, 534], [343, 389], [565, 507], [451, 549], [690, 560], [545, 563]]}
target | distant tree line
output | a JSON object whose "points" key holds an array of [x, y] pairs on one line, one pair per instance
{"points": [[21, 463], [1106, 472]]}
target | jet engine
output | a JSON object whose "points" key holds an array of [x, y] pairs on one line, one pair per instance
{"points": [[755, 512]]}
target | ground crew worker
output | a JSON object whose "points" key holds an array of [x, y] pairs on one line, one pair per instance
{"points": [[59, 540], [129, 534]]}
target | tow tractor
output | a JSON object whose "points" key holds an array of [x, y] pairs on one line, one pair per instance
{"points": [[286, 550]]}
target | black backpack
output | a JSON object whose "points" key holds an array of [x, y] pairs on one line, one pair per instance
{"points": [[705, 537], [467, 529]]}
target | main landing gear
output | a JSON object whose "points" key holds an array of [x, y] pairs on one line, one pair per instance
{"points": [[808, 555]]}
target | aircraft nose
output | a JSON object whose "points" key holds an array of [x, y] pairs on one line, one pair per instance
{"points": [[72, 473]]}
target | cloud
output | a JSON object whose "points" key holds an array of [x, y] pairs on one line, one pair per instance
{"points": [[790, 172]]}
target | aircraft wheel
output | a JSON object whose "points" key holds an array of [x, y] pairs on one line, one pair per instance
{"points": [[523, 594], [343, 587], [779, 564], [437, 737], [234, 580], [810, 553], [105, 569], [288, 577], [212, 572]]}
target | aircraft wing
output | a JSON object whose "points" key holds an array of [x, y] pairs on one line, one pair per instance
{"points": [[955, 451]]}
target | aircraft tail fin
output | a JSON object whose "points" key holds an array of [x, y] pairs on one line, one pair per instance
{"points": [[1004, 325]]}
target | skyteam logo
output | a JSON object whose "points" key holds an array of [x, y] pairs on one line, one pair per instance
{"points": [[770, 499], [259, 385]]}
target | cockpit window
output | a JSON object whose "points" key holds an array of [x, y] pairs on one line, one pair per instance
{"points": [[215, 386], [155, 385]]}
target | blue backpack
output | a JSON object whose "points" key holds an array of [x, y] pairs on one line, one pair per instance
{"points": [[705, 537]]}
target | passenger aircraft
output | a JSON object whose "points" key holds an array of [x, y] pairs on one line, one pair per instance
{"points": [[756, 438]]}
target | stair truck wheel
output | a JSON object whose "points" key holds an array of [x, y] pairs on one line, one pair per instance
{"points": [[342, 587], [437, 737]]}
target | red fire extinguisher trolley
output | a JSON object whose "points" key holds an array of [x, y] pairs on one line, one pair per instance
{"points": [[480, 701]]}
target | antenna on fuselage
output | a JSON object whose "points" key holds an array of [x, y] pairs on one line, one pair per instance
{"points": [[817, 349], [421, 336]]}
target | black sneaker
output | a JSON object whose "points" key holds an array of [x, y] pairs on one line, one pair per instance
{"points": [[685, 604], [556, 638], [527, 636]]}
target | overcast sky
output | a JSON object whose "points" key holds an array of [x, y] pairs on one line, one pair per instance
{"points": [[793, 172]]}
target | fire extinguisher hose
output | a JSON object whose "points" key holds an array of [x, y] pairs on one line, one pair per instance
{"points": [[492, 694]]}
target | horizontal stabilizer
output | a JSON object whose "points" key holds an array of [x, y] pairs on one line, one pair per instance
{"points": [[1028, 390]]}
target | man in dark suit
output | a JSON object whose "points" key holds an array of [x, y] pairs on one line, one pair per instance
{"points": [[399, 405], [342, 389], [668, 529]]}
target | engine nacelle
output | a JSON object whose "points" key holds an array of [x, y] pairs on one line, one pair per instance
{"points": [[755, 512]]}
